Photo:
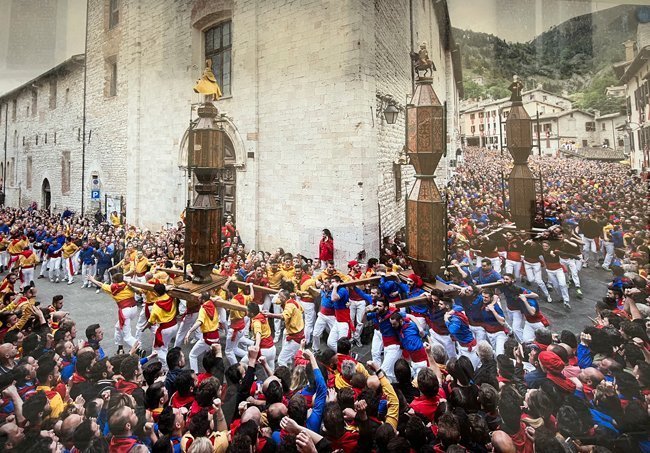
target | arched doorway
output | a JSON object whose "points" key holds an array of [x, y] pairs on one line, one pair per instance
{"points": [[46, 195]]}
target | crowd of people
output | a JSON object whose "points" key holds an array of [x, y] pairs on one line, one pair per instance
{"points": [[270, 359]]}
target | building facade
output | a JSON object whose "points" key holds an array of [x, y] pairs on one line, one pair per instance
{"points": [[560, 126], [304, 88], [634, 72], [42, 122]]}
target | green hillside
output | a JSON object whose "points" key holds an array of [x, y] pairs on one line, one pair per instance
{"points": [[575, 56]]}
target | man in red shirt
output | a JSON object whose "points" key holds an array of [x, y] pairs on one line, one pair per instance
{"points": [[431, 395]]}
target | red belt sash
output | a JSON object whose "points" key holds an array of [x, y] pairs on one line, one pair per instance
{"points": [[343, 316], [389, 341], [327, 311], [297, 337], [538, 317], [514, 256], [267, 343], [469, 345], [211, 337], [158, 339], [416, 356], [553, 266], [121, 305], [492, 328]]}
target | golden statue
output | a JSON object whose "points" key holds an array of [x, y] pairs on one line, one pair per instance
{"points": [[207, 84]]}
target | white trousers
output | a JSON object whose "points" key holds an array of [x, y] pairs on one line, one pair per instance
{"points": [[357, 310], [44, 266], [471, 355], [446, 342], [573, 265], [4, 258], [514, 268], [55, 265], [75, 261], [233, 342], [28, 276], [88, 270], [288, 352], [534, 274], [342, 331], [377, 346], [270, 303], [557, 279], [325, 323], [517, 323], [141, 324], [529, 330], [478, 331], [392, 354], [310, 317], [269, 355], [199, 348], [497, 340], [167, 337], [123, 336], [589, 249], [609, 253], [184, 326], [68, 267]]}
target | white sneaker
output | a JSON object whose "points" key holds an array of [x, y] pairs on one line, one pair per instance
{"points": [[51, 280], [549, 299], [56, 281]]}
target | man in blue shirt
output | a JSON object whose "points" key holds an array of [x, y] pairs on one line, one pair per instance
{"points": [[380, 314], [326, 319], [87, 260], [486, 274], [412, 344], [458, 326], [341, 300]]}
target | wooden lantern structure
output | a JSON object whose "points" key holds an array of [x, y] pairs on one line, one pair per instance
{"points": [[425, 208], [206, 154], [521, 182]]}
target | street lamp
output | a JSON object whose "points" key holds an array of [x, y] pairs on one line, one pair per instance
{"points": [[391, 111]]}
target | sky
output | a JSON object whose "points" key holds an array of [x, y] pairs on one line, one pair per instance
{"points": [[533, 17]]}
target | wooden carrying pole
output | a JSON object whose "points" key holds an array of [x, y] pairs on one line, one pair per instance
{"points": [[189, 296], [263, 289]]}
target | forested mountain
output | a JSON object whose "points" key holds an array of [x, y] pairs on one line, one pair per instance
{"points": [[575, 56]]}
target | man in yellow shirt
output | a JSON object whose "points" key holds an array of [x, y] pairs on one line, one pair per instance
{"points": [[275, 275], [305, 284], [48, 375], [261, 333], [127, 309], [163, 314], [26, 262], [69, 249], [292, 315], [15, 248], [208, 321], [237, 322]]}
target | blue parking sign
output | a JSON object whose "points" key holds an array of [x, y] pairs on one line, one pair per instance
{"points": [[94, 194]]}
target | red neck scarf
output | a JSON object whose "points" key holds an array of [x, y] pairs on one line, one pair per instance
{"points": [[347, 442], [209, 308], [124, 386], [77, 378], [166, 304], [122, 444], [117, 287]]}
